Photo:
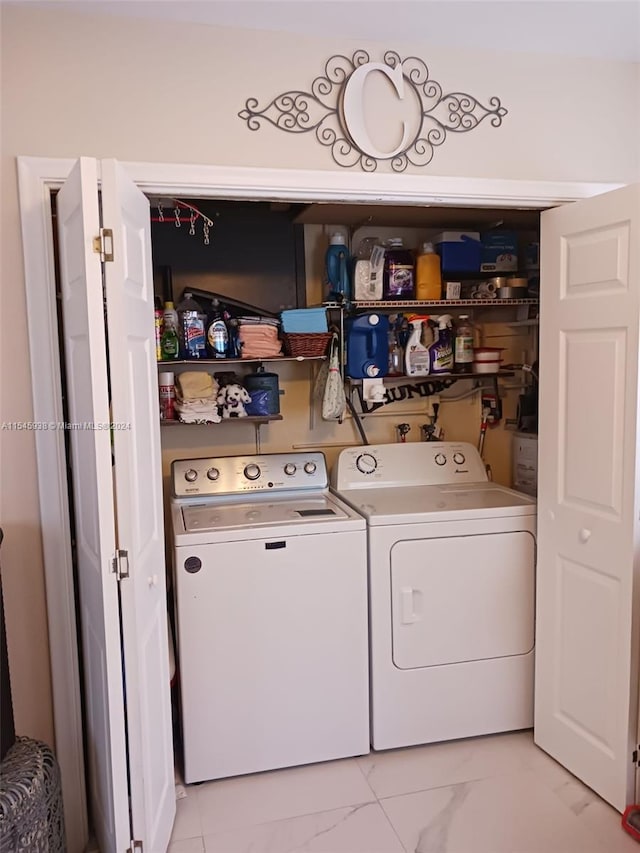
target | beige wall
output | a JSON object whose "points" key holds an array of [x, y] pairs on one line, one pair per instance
{"points": [[136, 90]]}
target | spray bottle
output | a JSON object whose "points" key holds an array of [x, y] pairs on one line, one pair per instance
{"points": [[416, 354], [441, 350]]}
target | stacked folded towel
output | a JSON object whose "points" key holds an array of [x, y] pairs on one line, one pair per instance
{"points": [[304, 321], [259, 338], [196, 395]]}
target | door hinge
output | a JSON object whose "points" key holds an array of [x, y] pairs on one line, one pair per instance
{"points": [[103, 244], [634, 756], [136, 847], [120, 564]]}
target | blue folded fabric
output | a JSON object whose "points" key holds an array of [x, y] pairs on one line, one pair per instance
{"points": [[304, 321]]}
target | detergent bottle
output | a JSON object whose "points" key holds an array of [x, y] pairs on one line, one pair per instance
{"points": [[191, 328], [416, 354], [337, 269], [441, 350], [428, 276]]}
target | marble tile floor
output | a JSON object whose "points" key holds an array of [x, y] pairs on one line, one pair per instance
{"points": [[494, 794]]}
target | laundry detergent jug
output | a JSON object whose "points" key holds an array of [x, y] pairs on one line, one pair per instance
{"points": [[367, 346]]}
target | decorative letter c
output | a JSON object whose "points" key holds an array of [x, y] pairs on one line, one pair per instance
{"points": [[354, 113]]}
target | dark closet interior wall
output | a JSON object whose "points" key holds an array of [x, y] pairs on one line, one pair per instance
{"points": [[255, 254]]}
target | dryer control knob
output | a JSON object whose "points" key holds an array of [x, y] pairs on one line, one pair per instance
{"points": [[310, 467], [251, 471], [440, 459], [458, 458], [191, 476], [366, 463], [290, 469], [213, 473]]}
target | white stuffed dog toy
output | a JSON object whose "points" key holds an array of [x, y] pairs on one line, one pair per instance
{"points": [[231, 400]]}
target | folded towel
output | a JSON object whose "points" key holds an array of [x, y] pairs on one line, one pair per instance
{"points": [[259, 341], [203, 410], [195, 418], [194, 384]]}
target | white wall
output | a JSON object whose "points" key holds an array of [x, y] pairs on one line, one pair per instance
{"points": [[137, 90]]}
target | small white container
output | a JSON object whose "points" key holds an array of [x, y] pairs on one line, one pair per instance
{"points": [[487, 366], [487, 354]]}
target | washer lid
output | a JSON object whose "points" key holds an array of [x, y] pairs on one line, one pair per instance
{"points": [[414, 504], [318, 510]]}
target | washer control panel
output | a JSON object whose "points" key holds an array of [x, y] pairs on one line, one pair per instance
{"points": [[411, 464], [237, 475]]}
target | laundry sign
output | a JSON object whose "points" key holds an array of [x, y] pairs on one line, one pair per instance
{"points": [[366, 112]]}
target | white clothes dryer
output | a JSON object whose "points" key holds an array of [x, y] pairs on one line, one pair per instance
{"points": [[270, 579], [451, 561]]}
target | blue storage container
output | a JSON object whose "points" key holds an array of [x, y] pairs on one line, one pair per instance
{"points": [[367, 346], [460, 251]]}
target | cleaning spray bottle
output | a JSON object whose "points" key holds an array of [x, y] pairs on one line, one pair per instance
{"points": [[441, 350], [416, 354]]}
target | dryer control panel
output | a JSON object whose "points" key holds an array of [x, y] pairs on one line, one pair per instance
{"points": [[413, 464], [214, 476]]}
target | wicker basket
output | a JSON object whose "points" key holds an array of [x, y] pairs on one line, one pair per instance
{"points": [[306, 345]]}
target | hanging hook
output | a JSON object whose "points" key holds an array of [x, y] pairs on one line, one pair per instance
{"points": [[176, 213], [160, 212], [192, 223]]}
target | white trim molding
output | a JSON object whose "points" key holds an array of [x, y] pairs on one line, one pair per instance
{"points": [[37, 177], [35, 214]]}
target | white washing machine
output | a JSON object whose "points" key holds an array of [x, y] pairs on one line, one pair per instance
{"points": [[452, 592], [270, 580]]}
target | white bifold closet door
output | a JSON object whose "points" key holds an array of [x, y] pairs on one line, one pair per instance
{"points": [[117, 491], [588, 568]]}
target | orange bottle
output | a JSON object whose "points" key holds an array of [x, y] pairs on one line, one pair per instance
{"points": [[428, 275]]}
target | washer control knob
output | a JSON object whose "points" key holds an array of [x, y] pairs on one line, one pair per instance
{"points": [[191, 476], [213, 473], [458, 458], [440, 459], [290, 469], [251, 471], [310, 467]]}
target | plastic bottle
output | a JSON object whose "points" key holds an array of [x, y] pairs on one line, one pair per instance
{"points": [[428, 275], [170, 315], [395, 366], [337, 264], [191, 329], [399, 270], [416, 354], [158, 322], [463, 347], [441, 350], [169, 343], [217, 335]]}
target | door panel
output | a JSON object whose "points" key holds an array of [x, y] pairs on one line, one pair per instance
{"points": [[462, 598], [88, 406], [597, 486], [587, 630], [138, 484], [273, 649]]}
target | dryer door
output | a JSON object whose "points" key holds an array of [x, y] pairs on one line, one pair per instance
{"points": [[462, 598]]}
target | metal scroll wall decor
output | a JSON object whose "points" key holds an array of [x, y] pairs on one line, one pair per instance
{"points": [[334, 111]]}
